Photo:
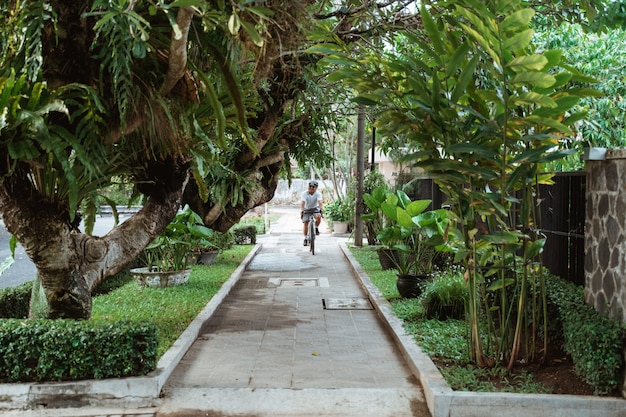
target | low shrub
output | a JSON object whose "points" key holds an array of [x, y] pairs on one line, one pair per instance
{"points": [[14, 302], [445, 296], [71, 350], [595, 343], [244, 235]]}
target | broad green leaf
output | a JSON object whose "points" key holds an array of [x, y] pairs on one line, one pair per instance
{"points": [[532, 98], [234, 24], [23, 150], [534, 78], [519, 41], [517, 20], [532, 155], [416, 207], [563, 104], [35, 95], [343, 74], [390, 210], [404, 219], [485, 44], [534, 62], [403, 199], [554, 58]]}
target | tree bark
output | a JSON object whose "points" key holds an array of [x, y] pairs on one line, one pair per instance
{"points": [[70, 264]]}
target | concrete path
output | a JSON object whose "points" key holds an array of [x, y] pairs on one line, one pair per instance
{"points": [[296, 337]]}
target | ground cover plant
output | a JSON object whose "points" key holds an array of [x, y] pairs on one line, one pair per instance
{"points": [[447, 344]]}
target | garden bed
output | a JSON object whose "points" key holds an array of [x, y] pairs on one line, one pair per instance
{"points": [[446, 344]]}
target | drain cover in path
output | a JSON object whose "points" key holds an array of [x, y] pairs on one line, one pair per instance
{"points": [[353, 303], [298, 282]]}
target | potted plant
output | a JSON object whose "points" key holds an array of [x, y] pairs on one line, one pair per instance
{"points": [[411, 240], [339, 212], [167, 257]]}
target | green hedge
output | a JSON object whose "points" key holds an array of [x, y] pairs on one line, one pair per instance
{"points": [[595, 343], [73, 350], [245, 235], [14, 302]]}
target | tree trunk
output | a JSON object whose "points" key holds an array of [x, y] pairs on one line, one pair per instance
{"points": [[70, 264]]}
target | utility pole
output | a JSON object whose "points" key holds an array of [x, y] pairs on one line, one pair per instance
{"points": [[372, 162], [360, 168]]}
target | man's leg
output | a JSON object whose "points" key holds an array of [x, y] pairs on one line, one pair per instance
{"points": [[306, 231], [318, 220]]}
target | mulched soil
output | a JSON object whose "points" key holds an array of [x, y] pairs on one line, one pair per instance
{"points": [[556, 374]]}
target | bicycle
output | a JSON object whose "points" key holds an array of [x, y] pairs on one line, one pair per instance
{"points": [[311, 230], [312, 234]]}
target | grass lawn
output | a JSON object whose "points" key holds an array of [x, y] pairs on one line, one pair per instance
{"points": [[171, 309]]}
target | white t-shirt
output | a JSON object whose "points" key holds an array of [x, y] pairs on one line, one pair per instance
{"points": [[311, 201]]}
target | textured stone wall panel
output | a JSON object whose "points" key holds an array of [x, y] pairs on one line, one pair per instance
{"points": [[605, 235]]}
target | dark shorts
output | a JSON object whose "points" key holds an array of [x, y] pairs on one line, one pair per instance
{"points": [[309, 214]]}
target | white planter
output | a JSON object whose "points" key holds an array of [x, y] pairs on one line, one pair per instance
{"points": [[340, 227], [160, 279]]}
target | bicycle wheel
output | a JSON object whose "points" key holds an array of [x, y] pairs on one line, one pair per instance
{"points": [[312, 235]]}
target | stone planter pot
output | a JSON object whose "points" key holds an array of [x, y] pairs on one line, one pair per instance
{"points": [[340, 227], [410, 286], [160, 279]]}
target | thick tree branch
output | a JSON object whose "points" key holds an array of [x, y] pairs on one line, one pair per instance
{"points": [[177, 63]]}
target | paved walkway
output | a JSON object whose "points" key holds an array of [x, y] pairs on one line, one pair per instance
{"points": [[295, 337]]}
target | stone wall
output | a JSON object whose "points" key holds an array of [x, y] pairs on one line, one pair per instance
{"points": [[605, 234]]}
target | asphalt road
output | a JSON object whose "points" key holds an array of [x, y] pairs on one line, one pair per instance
{"points": [[22, 269]]}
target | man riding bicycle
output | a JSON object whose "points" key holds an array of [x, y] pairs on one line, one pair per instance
{"points": [[311, 206]]}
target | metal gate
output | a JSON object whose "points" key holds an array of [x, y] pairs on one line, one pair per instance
{"points": [[562, 221]]}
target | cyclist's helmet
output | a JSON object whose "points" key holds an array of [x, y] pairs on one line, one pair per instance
{"points": [[312, 182]]}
